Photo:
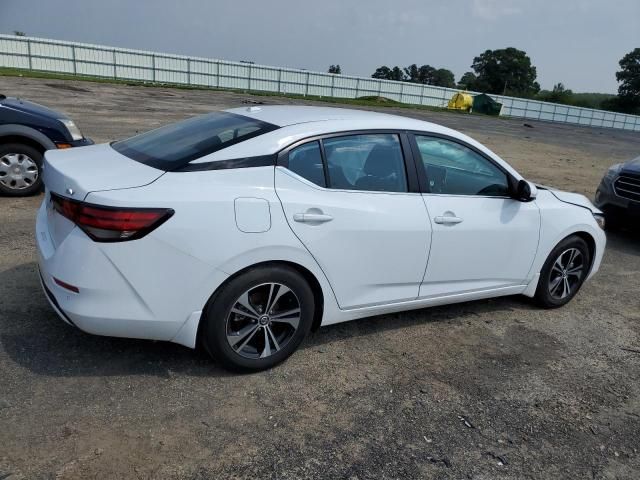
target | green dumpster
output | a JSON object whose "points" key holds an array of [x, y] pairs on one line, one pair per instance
{"points": [[483, 103]]}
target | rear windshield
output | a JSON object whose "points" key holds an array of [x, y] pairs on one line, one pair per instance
{"points": [[174, 146]]}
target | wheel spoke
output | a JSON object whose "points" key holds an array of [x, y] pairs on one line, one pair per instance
{"points": [[281, 290], [575, 271], [559, 263], [8, 160], [244, 313], [292, 317], [556, 268], [245, 334], [566, 289], [246, 303], [267, 345], [574, 255], [555, 283], [273, 337]]}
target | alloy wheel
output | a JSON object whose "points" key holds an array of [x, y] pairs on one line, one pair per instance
{"points": [[566, 273], [263, 320], [18, 171]]}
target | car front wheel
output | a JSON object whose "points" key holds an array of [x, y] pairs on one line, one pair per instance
{"points": [[20, 170], [563, 273], [258, 319]]}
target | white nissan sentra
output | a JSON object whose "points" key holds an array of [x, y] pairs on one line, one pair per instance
{"points": [[242, 230]]}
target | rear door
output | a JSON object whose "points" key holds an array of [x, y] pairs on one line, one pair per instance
{"points": [[482, 238], [350, 202]]}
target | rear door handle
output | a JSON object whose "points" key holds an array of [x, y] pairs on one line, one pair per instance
{"points": [[312, 217], [447, 220]]}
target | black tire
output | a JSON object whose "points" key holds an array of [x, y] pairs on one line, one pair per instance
{"points": [[218, 318], [548, 291], [35, 155]]}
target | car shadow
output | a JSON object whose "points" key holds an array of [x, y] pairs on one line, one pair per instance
{"points": [[35, 338], [624, 240]]}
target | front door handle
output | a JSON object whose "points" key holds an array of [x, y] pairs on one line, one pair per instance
{"points": [[447, 220], [312, 217]]}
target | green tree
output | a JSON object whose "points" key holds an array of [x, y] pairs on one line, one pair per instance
{"points": [[386, 73], [426, 74], [559, 94], [429, 75], [507, 70], [444, 78], [397, 74], [412, 73], [628, 99], [467, 81], [382, 72], [335, 69]]}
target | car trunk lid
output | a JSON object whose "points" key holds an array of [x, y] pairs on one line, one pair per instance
{"points": [[76, 172]]}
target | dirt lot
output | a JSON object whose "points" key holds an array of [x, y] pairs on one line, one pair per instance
{"points": [[484, 390]]}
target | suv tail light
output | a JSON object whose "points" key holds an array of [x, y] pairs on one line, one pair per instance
{"points": [[111, 224]]}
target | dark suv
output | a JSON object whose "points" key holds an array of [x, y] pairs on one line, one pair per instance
{"points": [[27, 130], [618, 194]]}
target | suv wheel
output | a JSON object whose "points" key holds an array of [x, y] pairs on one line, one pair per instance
{"points": [[20, 170], [258, 319]]}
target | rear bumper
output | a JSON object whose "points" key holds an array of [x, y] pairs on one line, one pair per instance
{"points": [[126, 289]]}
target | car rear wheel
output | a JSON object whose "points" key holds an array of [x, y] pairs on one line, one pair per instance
{"points": [[258, 319], [563, 273], [20, 170]]}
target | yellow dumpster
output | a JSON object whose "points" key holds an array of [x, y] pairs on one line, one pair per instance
{"points": [[461, 101]]}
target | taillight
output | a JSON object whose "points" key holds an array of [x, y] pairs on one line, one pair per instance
{"points": [[111, 224]]}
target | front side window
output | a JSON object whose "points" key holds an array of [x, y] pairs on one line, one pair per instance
{"points": [[174, 146], [372, 162], [452, 168]]}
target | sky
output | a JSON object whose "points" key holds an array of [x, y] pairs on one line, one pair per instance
{"points": [[576, 42]]}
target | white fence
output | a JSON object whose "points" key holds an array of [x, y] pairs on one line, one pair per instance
{"points": [[124, 64]]}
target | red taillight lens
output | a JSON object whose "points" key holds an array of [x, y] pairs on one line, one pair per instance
{"points": [[111, 224]]}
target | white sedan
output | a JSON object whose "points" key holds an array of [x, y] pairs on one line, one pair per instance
{"points": [[243, 230]]}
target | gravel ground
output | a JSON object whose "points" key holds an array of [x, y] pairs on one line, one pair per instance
{"points": [[493, 389]]}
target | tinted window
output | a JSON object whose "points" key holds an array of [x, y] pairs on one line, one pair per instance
{"points": [[454, 169], [366, 162], [173, 146], [306, 161]]}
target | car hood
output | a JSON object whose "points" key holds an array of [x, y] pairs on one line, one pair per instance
{"points": [[632, 166], [571, 198], [30, 107]]}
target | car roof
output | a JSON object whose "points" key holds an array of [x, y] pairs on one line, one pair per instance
{"points": [[286, 115], [299, 122]]}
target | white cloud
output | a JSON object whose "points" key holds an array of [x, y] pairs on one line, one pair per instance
{"points": [[494, 9]]}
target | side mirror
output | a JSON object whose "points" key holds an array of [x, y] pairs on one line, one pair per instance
{"points": [[525, 191]]}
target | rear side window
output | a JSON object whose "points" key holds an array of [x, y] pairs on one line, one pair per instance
{"points": [[174, 146], [306, 161]]}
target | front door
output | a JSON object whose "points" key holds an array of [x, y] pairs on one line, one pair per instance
{"points": [[482, 238]]}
